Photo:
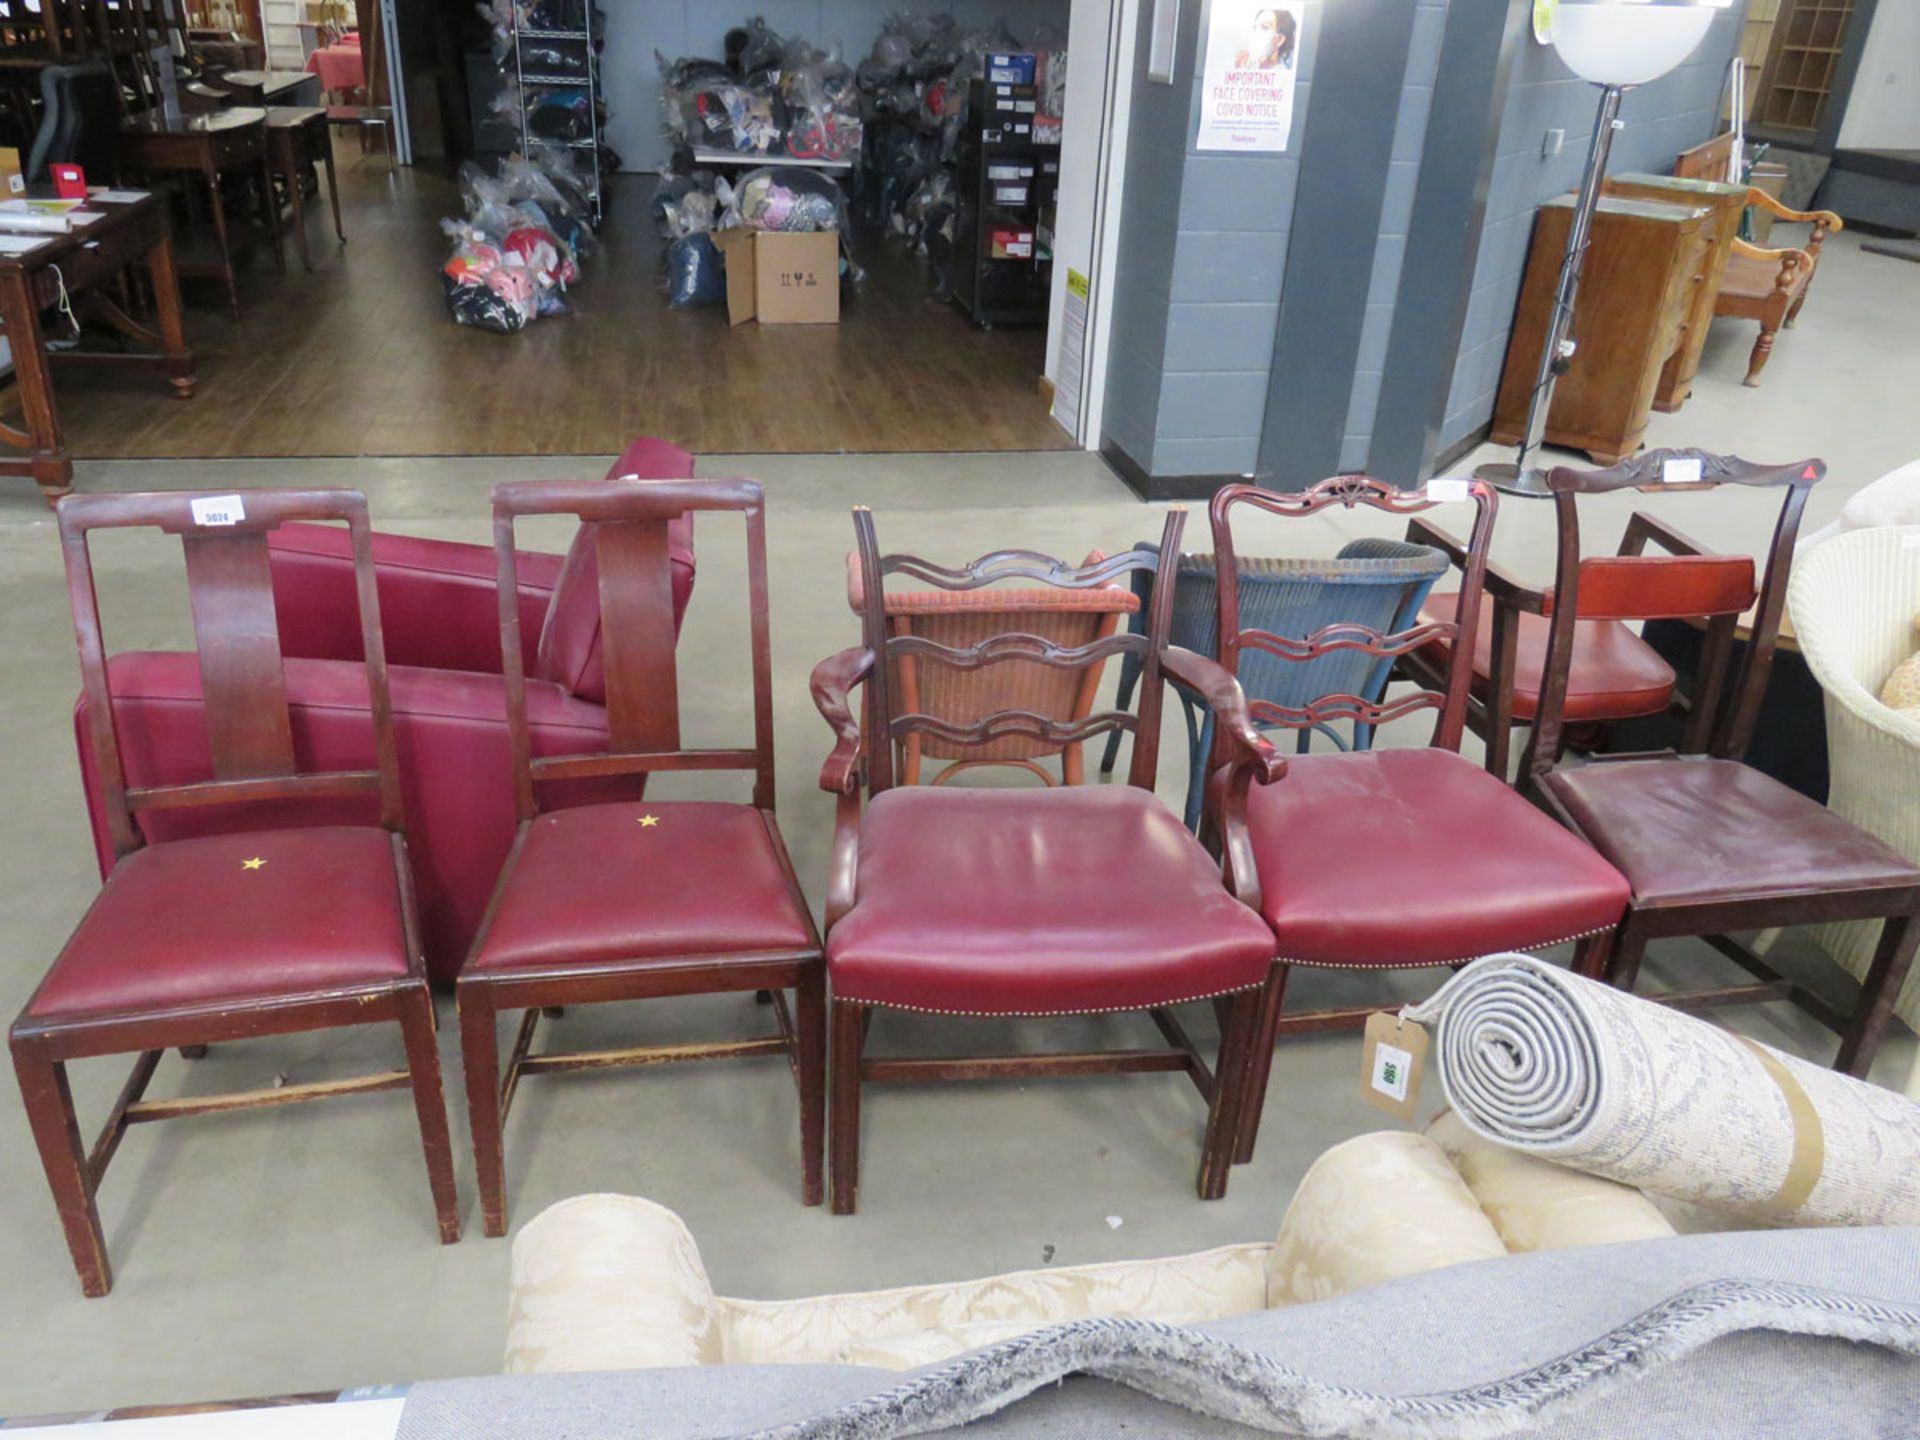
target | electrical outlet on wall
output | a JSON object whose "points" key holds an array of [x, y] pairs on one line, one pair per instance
{"points": [[1552, 144]]}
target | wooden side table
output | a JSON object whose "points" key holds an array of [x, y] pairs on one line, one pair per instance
{"points": [[224, 142], [298, 136]]}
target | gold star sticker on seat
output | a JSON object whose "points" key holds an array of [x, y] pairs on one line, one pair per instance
{"points": [[254, 864], [647, 822]]}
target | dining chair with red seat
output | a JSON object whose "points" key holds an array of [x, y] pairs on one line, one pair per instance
{"points": [[1615, 675], [1709, 844], [252, 929], [1021, 902], [1391, 858], [638, 899]]}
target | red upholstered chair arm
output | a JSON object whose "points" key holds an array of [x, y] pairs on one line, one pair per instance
{"points": [[1250, 759], [437, 605]]}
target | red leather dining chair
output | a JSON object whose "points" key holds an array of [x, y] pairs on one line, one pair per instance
{"points": [[629, 899], [251, 930], [1616, 675], [1709, 844], [449, 701], [1390, 858], [1064, 901]]}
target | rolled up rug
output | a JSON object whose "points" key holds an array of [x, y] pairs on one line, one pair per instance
{"points": [[1574, 1071]]}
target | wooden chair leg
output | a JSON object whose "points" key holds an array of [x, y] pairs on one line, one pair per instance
{"points": [[843, 1121], [226, 253], [1590, 955], [49, 1105], [1757, 361], [333, 184], [1628, 948], [480, 1054], [1892, 958], [1232, 1079], [430, 1104], [1260, 1066], [810, 1030]]}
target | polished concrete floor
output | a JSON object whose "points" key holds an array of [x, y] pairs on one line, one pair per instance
{"points": [[295, 1250]]}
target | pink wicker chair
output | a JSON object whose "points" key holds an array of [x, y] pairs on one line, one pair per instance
{"points": [[960, 618]]}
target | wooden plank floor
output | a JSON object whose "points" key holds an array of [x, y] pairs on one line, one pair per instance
{"points": [[360, 358]]}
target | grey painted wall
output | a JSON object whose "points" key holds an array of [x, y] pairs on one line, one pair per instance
{"points": [[1396, 217], [1677, 111], [1203, 248], [637, 28]]}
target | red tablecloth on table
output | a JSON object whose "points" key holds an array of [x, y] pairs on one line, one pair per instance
{"points": [[338, 66]]}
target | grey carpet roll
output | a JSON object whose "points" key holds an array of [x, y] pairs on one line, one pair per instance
{"points": [[1574, 1071]]}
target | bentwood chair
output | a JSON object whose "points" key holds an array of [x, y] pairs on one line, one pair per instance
{"points": [[1709, 844], [1371, 581], [621, 898], [249, 930], [1389, 858], [1082, 899]]}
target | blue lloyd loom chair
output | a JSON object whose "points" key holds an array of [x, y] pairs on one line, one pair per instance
{"points": [[1377, 583]]}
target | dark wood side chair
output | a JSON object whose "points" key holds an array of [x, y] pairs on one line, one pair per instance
{"points": [[243, 933], [1066, 901], [1390, 858], [1709, 844], [617, 899], [1616, 676]]}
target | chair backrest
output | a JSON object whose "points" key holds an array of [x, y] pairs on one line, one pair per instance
{"points": [[243, 683], [888, 721], [79, 121], [1245, 645], [628, 524], [1715, 588]]}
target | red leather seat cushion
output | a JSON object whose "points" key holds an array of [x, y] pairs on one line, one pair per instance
{"points": [[1417, 857], [1022, 902], [595, 885], [189, 923], [1615, 675], [1695, 830]]}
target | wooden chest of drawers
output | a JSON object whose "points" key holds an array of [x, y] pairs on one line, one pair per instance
{"points": [[1645, 264]]}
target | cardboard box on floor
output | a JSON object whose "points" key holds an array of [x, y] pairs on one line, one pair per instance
{"points": [[12, 182], [781, 278]]}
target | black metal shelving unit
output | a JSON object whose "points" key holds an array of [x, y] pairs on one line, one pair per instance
{"points": [[531, 78], [1002, 256]]}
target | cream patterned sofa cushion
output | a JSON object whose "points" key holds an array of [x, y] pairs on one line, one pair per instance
{"points": [[1537, 1205]]}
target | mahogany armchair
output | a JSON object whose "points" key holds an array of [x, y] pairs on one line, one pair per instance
{"points": [[632, 899], [1770, 286], [249, 928], [1709, 844], [1072, 900], [1389, 857], [441, 623]]}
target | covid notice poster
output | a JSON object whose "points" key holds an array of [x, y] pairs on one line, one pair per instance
{"points": [[1253, 55]]}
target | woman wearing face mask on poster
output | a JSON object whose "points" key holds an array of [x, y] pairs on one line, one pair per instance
{"points": [[1271, 44]]}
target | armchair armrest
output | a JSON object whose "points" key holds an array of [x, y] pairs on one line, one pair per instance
{"points": [[1251, 758], [1789, 259], [834, 680], [1644, 527], [1499, 583], [833, 683], [1823, 221], [437, 598]]}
